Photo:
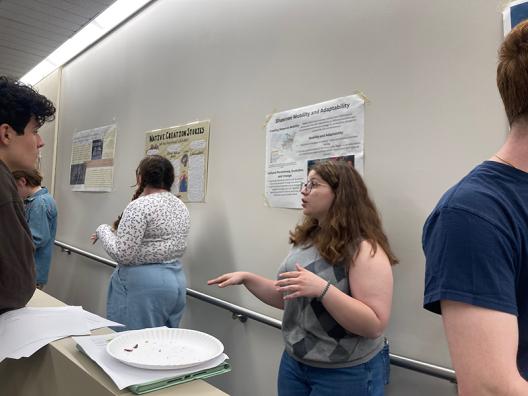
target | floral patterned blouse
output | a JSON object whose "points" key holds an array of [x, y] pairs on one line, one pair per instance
{"points": [[153, 229]]}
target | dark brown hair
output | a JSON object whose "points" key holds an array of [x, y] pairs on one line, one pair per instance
{"points": [[512, 73], [153, 171], [19, 102], [351, 218], [33, 177]]}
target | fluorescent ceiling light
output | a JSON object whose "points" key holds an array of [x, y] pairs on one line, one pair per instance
{"points": [[97, 28]]}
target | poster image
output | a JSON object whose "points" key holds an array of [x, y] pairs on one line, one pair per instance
{"points": [[296, 139], [349, 159], [514, 13], [186, 146], [92, 159]]}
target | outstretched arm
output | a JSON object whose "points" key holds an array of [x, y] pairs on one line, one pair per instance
{"points": [[483, 346], [262, 288]]}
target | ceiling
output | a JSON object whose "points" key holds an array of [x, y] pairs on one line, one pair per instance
{"points": [[30, 30]]}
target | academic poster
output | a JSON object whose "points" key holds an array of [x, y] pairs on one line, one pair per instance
{"points": [[297, 139], [92, 159], [187, 147]]}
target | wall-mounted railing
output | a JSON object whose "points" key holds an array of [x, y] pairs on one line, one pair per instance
{"points": [[243, 314]]}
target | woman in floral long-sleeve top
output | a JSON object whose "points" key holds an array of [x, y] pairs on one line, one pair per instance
{"points": [[147, 289]]}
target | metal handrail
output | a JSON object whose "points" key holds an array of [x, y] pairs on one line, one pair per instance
{"points": [[243, 314]]}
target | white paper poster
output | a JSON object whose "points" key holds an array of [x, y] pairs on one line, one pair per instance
{"points": [[513, 14], [92, 159], [186, 146], [299, 138]]}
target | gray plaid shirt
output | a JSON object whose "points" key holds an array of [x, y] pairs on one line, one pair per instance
{"points": [[312, 336]]}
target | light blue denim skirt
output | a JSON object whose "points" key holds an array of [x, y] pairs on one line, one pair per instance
{"points": [[147, 295]]}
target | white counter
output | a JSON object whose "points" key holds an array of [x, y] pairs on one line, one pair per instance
{"points": [[59, 369]]}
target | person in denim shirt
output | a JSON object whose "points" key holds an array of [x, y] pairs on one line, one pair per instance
{"points": [[41, 215]]}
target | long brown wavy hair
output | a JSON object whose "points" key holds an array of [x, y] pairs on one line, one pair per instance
{"points": [[351, 218], [154, 171]]}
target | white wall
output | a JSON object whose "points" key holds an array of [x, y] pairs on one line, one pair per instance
{"points": [[49, 87], [428, 69]]}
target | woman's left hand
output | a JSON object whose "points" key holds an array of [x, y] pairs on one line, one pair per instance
{"points": [[300, 283]]}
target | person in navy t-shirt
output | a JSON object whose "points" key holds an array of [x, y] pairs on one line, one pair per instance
{"points": [[476, 247]]}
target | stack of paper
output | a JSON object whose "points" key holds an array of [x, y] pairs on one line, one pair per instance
{"points": [[143, 380], [24, 331]]}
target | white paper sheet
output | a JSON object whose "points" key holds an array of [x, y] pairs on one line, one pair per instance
{"points": [[123, 375], [24, 331], [96, 322]]}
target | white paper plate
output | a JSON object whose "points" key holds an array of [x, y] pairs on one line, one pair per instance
{"points": [[164, 348]]}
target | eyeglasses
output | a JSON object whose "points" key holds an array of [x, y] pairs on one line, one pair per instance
{"points": [[311, 184]]}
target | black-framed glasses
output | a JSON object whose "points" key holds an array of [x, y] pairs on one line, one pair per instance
{"points": [[311, 184]]}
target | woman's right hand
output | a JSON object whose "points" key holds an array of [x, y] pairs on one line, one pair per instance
{"points": [[230, 279], [93, 238]]}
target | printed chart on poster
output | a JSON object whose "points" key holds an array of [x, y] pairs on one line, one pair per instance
{"points": [[187, 147], [513, 14], [299, 138], [92, 159]]}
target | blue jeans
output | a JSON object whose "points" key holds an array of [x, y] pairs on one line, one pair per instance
{"points": [[367, 379], [147, 295]]}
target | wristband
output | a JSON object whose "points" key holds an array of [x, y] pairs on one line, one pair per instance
{"points": [[320, 298]]}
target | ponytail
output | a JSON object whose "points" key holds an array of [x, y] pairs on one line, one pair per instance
{"points": [[137, 194]]}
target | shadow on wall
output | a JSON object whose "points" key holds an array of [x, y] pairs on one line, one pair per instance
{"points": [[209, 249], [77, 280]]}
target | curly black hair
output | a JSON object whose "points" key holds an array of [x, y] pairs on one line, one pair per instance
{"points": [[19, 102]]}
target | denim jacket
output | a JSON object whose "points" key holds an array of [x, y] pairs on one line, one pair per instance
{"points": [[41, 216]]}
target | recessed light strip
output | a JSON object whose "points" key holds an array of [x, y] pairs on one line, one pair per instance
{"points": [[93, 31]]}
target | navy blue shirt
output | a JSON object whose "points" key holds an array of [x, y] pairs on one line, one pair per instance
{"points": [[475, 243]]}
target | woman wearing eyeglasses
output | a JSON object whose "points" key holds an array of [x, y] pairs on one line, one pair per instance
{"points": [[335, 288]]}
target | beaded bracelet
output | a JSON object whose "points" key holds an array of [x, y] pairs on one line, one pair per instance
{"points": [[320, 298]]}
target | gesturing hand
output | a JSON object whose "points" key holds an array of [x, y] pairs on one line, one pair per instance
{"points": [[93, 238], [300, 283], [232, 278]]}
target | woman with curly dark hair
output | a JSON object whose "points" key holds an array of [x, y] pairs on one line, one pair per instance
{"points": [[335, 288], [148, 288]]}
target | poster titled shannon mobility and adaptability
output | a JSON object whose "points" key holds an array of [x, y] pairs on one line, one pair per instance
{"points": [[296, 139]]}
